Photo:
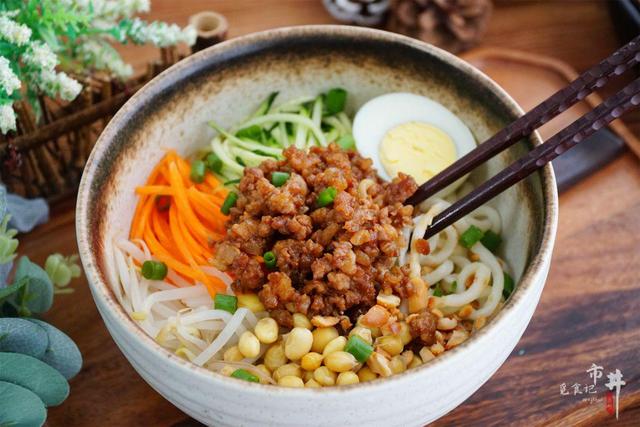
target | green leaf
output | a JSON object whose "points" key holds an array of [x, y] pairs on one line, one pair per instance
{"points": [[22, 336], [11, 289], [62, 353], [35, 375], [20, 407], [37, 295]]}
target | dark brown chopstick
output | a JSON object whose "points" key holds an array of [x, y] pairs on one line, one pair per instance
{"points": [[611, 109], [596, 77]]}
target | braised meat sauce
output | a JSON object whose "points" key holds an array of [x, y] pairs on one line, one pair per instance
{"points": [[330, 260]]}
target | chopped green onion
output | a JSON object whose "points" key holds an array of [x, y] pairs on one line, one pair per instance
{"points": [[229, 202], [326, 196], [214, 163], [232, 181], [252, 132], [269, 259], [454, 286], [508, 286], [240, 161], [359, 348], [346, 142], [198, 169], [471, 236], [437, 292], [335, 101], [491, 240], [245, 375], [225, 302], [279, 178], [154, 270]]}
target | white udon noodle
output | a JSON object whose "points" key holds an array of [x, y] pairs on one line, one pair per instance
{"points": [[180, 316], [449, 262]]}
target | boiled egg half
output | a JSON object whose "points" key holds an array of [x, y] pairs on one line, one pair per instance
{"points": [[409, 133]]}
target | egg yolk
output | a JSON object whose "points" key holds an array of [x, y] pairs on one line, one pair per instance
{"points": [[416, 149]]}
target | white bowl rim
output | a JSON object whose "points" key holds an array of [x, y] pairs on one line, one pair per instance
{"points": [[534, 271]]}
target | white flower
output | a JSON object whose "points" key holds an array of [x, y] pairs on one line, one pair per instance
{"points": [[8, 80], [57, 84], [100, 55], [39, 55], [7, 118], [160, 33], [108, 12], [69, 88], [189, 34], [13, 32]]}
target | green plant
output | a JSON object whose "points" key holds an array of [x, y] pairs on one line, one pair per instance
{"points": [[36, 359], [43, 40]]}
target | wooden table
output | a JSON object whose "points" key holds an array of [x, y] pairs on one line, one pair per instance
{"points": [[590, 309]]}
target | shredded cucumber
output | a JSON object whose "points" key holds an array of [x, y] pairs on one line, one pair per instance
{"points": [[303, 122]]}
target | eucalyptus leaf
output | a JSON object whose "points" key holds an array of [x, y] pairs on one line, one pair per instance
{"points": [[35, 375], [37, 295], [20, 407], [22, 336], [62, 353], [12, 289]]}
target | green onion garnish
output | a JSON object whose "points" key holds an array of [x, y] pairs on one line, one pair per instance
{"points": [[252, 132], [225, 302], [358, 348], [454, 286], [346, 142], [326, 196], [471, 236], [198, 169], [508, 286], [154, 270], [245, 375], [279, 178], [335, 101], [213, 162], [232, 181], [491, 240], [269, 259], [229, 202], [240, 161], [437, 292]]}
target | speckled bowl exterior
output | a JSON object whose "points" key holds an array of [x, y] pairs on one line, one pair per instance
{"points": [[225, 83]]}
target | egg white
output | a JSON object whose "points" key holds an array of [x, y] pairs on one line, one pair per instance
{"points": [[381, 114]]}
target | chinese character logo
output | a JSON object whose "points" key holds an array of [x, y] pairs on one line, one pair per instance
{"points": [[589, 391], [615, 382]]}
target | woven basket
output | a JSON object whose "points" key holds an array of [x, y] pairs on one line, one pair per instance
{"points": [[46, 159]]}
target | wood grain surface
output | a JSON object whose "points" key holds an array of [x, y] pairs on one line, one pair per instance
{"points": [[589, 311]]}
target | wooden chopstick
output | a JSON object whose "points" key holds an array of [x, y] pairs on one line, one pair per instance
{"points": [[611, 109], [587, 82]]}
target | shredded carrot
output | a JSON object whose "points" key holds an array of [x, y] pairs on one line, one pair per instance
{"points": [[182, 232]]}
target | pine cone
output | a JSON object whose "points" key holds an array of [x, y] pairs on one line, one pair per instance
{"points": [[360, 12], [454, 25]]}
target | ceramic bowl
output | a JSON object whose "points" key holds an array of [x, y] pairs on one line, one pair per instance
{"points": [[225, 83]]}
